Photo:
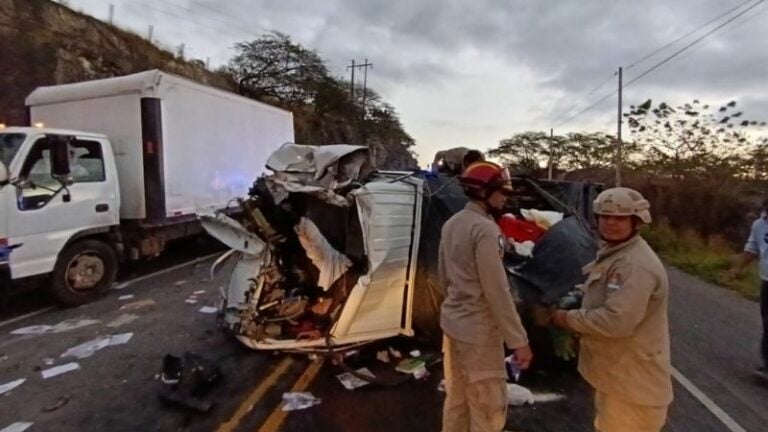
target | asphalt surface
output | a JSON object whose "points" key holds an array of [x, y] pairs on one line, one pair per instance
{"points": [[715, 338]]}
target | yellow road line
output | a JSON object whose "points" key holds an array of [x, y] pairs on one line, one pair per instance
{"points": [[256, 395], [278, 415]]}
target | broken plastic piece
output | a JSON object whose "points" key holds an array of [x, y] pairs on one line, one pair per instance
{"points": [[17, 427], [138, 305], [87, 349], [299, 401], [208, 310], [383, 356], [126, 297], [58, 370], [415, 353], [5, 388]]}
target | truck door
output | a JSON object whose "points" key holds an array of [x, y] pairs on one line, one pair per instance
{"points": [[49, 212]]}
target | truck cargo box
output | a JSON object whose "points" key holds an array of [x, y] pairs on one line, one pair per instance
{"points": [[179, 145]]}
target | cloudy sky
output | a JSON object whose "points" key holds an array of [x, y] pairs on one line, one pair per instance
{"points": [[469, 73]]}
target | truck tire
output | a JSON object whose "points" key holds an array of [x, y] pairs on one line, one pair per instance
{"points": [[84, 272]]}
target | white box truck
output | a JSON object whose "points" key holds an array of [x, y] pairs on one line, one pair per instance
{"points": [[113, 169]]}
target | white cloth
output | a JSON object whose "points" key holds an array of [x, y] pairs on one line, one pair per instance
{"points": [[331, 263]]}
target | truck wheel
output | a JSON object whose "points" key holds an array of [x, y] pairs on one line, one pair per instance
{"points": [[84, 271]]}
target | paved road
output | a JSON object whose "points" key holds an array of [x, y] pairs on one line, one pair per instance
{"points": [[714, 344]]}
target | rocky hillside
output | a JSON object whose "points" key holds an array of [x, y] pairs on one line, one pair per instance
{"points": [[45, 43]]}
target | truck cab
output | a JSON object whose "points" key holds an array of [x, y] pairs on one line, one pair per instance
{"points": [[59, 205]]}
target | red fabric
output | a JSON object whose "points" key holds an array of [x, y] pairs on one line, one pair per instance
{"points": [[519, 230]]}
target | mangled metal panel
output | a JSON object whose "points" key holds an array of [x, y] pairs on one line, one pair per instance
{"points": [[381, 301]]}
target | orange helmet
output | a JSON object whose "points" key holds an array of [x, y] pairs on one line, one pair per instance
{"points": [[486, 175]]}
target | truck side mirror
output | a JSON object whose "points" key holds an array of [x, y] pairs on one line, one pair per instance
{"points": [[3, 175], [60, 168]]}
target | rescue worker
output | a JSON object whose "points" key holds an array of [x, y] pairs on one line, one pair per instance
{"points": [[623, 324], [756, 248], [478, 315]]}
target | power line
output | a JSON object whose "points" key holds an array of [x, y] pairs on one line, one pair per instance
{"points": [[695, 41], [661, 63], [575, 104], [658, 50]]}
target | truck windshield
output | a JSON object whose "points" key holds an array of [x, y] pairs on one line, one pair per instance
{"points": [[10, 143]]}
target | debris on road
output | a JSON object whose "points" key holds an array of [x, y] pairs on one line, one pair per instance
{"points": [[441, 386], [48, 361], [351, 382], [420, 372], [409, 366], [383, 356], [547, 397], [395, 353], [187, 380], [5, 388], [138, 305], [122, 320], [180, 283], [58, 370], [208, 310], [17, 427], [415, 353], [299, 401], [190, 301], [126, 297], [60, 402], [61, 327], [87, 349], [199, 292], [518, 395]]}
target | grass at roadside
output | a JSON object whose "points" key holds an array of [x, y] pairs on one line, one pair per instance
{"points": [[709, 259]]}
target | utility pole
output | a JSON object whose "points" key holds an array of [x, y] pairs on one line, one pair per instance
{"points": [[111, 12], [352, 81], [149, 32], [618, 134], [551, 142], [365, 67]]}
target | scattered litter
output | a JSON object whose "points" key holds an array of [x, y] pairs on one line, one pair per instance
{"points": [[420, 372], [3, 358], [60, 402], [410, 366], [123, 320], [415, 353], [383, 356], [441, 386], [126, 297], [395, 353], [208, 310], [518, 395], [351, 382], [190, 301], [17, 427], [199, 292], [299, 401], [5, 388], [138, 305], [547, 397], [180, 283], [120, 285], [36, 329], [58, 370], [48, 361], [87, 349], [63, 326]]}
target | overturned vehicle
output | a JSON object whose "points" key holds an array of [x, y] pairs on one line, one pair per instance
{"points": [[330, 253]]}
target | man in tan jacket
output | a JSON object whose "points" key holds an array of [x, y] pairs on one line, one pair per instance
{"points": [[624, 351], [478, 315]]}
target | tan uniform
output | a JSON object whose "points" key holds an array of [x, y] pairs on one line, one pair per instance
{"points": [[625, 352], [478, 316]]}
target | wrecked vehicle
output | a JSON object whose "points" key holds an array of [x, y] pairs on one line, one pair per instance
{"points": [[331, 253]]}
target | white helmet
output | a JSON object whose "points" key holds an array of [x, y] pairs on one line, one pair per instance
{"points": [[623, 202]]}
